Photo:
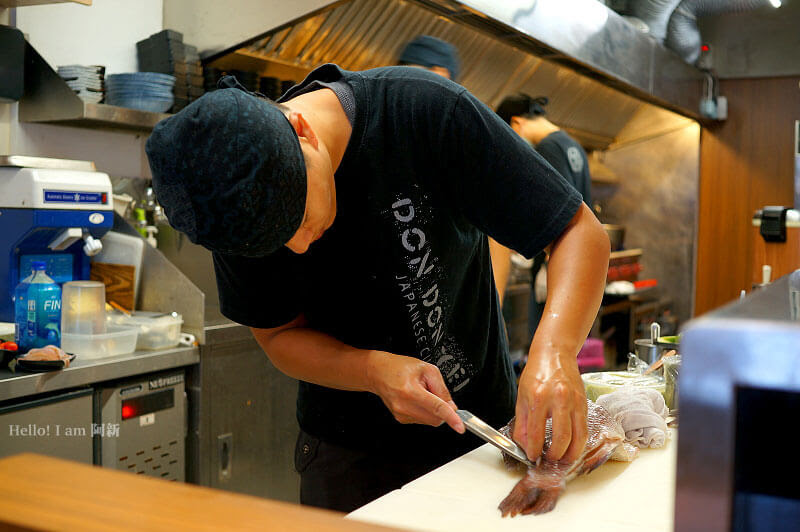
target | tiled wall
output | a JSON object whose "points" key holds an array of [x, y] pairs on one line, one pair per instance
{"points": [[656, 200]]}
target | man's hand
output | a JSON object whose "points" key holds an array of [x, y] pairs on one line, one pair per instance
{"points": [[551, 387], [413, 390]]}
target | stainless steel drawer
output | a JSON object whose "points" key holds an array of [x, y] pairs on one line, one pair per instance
{"points": [[57, 425]]}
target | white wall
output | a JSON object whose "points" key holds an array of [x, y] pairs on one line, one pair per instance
{"points": [[214, 25], [104, 33]]}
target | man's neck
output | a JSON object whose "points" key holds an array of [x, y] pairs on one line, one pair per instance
{"points": [[543, 129], [325, 114]]}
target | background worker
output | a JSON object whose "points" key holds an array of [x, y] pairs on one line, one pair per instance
{"points": [[430, 53], [527, 116]]}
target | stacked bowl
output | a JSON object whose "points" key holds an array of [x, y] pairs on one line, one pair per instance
{"points": [[145, 91], [86, 81]]}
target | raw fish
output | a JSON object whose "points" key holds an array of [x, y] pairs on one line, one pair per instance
{"points": [[46, 353], [543, 483]]}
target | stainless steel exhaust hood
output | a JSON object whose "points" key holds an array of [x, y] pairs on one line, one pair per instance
{"points": [[589, 38], [587, 59]]}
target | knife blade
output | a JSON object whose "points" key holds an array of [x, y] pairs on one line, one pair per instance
{"points": [[481, 429]]}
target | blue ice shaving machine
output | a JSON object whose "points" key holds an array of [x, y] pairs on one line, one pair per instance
{"points": [[53, 210]]}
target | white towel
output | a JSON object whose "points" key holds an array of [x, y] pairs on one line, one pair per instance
{"points": [[642, 413]]}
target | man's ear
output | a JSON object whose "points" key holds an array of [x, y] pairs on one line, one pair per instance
{"points": [[302, 128], [516, 123]]}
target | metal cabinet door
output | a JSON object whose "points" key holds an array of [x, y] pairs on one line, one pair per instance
{"points": [[243, 426], [58, 425]]}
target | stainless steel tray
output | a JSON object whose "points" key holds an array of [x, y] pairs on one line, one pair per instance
{"points": [[25, 161]]}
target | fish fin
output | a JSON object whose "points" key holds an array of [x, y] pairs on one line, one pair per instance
{"points": [[537, 492], [625, 453], [595, 458], [545, 502], [522, 496], [512, 464]]}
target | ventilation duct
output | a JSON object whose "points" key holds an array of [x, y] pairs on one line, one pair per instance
{"points": [[674, 22], [683, 35], [654, 13]]}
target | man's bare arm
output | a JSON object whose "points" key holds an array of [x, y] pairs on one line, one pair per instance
{"points": [[501, 266], [413, 390], [550, 385]]}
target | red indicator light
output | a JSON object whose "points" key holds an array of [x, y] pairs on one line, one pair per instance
{"points": [[104, 198], [128, 412], [705, 48]]}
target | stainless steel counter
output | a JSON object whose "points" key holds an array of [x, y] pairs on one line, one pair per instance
{"points": [[88, 371]]}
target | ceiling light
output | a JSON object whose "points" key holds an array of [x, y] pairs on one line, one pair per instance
{"points": [[775, 3]]}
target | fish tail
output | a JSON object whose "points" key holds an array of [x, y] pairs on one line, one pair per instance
{"points": [[545, 502], [523, 496]]}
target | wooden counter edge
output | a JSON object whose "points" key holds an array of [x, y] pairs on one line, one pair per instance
{"points": [[45, 493]]}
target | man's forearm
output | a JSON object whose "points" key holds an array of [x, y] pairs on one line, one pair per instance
{"points": [[576, 278], [413, 391], [501, 266], [550, 385], [312, 356]]}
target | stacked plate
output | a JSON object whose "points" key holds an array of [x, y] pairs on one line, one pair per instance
{"points": [[166, 52], [146, 91], [160, 52], [211, 76], [85, 80]]}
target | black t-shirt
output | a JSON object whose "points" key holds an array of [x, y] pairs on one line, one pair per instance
{"points": [[429, 171], [567, 156]]}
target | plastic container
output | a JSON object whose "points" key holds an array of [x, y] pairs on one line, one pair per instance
{"points": [[603, 382], [37, 310], [591, 355], [672, 367], [84, 308], [119, 248], [119, 340], [156, 329]]}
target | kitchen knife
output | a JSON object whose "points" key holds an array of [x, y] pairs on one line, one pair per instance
{"points": [[482, 430]]}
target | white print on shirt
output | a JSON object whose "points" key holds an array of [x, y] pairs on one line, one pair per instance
{"points": [[575, 159], [426, 306]]}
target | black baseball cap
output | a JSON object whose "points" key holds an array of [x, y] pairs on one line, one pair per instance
{"points": [[429, 52], [229, 172], [521, 105]]}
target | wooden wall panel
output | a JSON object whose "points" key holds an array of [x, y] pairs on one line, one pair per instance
{"points": [[746, 162]]}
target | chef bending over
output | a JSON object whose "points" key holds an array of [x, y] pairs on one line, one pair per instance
{"points": [[348, 227]]}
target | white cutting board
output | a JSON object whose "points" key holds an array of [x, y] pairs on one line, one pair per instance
{"points": [[463, 496], [119, 248]]}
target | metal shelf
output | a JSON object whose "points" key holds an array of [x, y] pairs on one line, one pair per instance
{"points": [[49, 100], [23, 3], [627, 253], [97, 115]]}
